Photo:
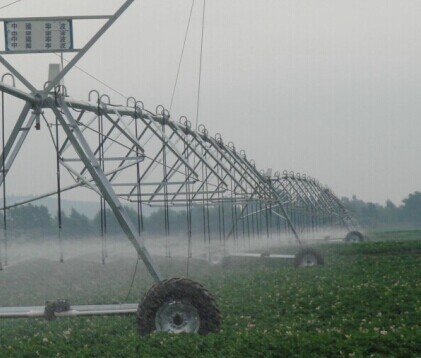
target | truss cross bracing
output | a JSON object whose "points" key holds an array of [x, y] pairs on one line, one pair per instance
{"points": [[125, 153]]}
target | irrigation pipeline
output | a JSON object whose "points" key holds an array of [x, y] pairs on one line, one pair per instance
{"points": [[150, 159]]}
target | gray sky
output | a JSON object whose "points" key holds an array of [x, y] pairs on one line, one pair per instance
{"points": [[330, 88]]}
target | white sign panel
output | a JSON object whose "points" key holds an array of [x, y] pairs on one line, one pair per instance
{"points": [[38, 35]]}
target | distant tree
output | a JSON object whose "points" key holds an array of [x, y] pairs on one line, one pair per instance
{"points": [[32, 219], [391, 213], [110, 221], [36, 221], [76, 224], [411, 208]]}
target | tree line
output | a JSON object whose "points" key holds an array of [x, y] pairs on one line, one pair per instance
{"points": [[388, 216], [36, 221]]}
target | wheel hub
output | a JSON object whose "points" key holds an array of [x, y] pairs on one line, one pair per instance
{"points": [[177, 317], [308, 260], [354, 238], [216, 259]]}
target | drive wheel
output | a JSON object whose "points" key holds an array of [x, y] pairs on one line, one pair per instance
{"points": [[308, 258], [178, 305], [354, 236]]}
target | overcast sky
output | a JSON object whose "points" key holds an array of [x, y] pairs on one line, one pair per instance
{"points": [[330, 88]]}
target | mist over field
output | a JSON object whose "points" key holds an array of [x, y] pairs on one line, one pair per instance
{"points": [[264, 301], [263, 156], [118, 247]]}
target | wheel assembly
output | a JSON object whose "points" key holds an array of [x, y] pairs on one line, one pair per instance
{"points": [[308, 258], [354, 236], [216, 258], [178, 305]]}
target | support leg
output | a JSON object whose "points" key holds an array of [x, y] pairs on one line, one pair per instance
{"points": [[85, 153]]}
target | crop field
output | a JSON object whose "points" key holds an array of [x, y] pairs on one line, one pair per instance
{"points": [[365, 301]]}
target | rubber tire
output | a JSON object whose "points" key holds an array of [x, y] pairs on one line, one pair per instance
{"points": [[179, 289], [360, 236], [306, 251]]}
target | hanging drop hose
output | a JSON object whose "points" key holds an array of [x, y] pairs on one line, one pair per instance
{"points": [[248, 219], [101, 199], [139, 189], [219, 207], [132, 281], [57, 93], [102, 162], [203, 200], [267, 220], [188, 214], [206, 194], [207, 213], [166, 205], [59, 218], [4, 182], [242, 222], [139, 207], [248, 224]]}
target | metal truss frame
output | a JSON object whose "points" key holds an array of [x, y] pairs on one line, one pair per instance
{"points": [[127, 153], [183, 167]]}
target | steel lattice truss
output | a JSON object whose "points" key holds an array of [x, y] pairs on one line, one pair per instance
{"points": [[176, 164], [127, 153], [316, 203], [149, 158]]}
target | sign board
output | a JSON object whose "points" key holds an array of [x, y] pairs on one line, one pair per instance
{"points": [[38, 35]]}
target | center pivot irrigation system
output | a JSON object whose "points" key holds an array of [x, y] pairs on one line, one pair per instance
{"points": [[126, 153]]}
